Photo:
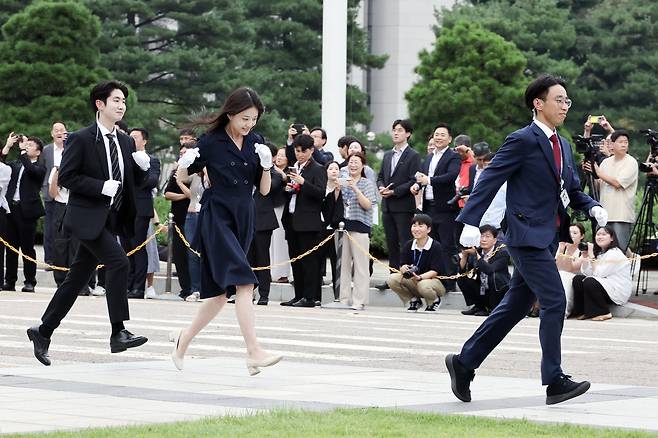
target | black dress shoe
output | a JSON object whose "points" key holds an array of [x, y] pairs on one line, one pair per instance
{"points": [[382, 287], [8, 286], [289, 303], [472, 311], [84, 292], [136, 294], [262, 301], [304, 303], [41, 345], [564, 388], [124, 340], [29, 287], [460, 378]]}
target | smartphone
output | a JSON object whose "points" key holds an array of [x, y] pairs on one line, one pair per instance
{"points": [[390, 186], [299, 127], [594, 119], [292, 169]]}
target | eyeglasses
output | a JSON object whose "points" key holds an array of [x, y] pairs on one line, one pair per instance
{"points": [[564, 101]]}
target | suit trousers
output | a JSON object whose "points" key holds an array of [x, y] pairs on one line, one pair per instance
{"points": [[354, 267], [3, 234], [106, 250], [259, 255], [535, 275], [139, 260], [21, 232], [63, 248], [397, 227], [180, 260], [407, 288], [308, 282]]}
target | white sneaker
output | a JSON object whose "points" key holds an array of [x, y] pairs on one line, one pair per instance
{"points": [[194, 296], [359, 307], [98, 291], [150, 293]]}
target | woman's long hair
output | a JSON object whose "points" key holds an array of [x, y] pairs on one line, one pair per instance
{"points": [[597, 249], [239, 100]]}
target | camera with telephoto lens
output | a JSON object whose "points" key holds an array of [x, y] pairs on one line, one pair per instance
{"points": [[410, 272], [652, 141], [461, 192], [588, 147], [582, 246]]}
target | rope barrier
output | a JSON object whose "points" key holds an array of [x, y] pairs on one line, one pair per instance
{"points": [[62, 268]]}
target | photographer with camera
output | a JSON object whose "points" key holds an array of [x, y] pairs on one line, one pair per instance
{"points": [[618, 176], [486, 288], [422, 262]]}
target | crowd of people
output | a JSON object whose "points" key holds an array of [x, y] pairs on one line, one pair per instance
{"points": [[417, 198]]}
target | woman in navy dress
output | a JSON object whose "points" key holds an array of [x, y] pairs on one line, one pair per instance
{"points": [[236, 162]]}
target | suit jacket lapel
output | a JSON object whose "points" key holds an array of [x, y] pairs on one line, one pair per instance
{"points": [[99, 145], [443, 158], [546, 148], [400, 161]]}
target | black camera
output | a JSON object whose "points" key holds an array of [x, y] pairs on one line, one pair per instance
{"points": [[462, 192], [652, 141], [582, 246], [299, 127], [589, 148], [410, 272]]}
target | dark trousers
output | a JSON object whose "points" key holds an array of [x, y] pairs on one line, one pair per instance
{"points": [[106, 250], [259, 255], [139, 260], [21, 232], [48, 230], [589, 297], [470, 288], [308, 283], [180, 260], [397, 227], [443, 230], [535, 274]]}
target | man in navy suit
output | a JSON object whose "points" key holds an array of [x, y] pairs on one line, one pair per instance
{"points": [[542, 181], [101, 169]]}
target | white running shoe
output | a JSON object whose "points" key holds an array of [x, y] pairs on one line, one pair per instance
{"points": [[150, 293], [98, 291]]}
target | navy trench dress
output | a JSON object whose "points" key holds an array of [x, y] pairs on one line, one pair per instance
{"points": [[226, 221]]}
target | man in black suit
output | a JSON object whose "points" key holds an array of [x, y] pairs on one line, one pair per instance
{"points": [[25, 210], [395, 179], [303, 221], [265, 223], [101, 169], [144, 206], [438, 174]]}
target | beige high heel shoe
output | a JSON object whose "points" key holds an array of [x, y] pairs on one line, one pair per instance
{"points": [[178, 360], [254, 366]]}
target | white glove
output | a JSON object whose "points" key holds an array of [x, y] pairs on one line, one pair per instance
{"points": [[110, 187], [188, 158], [265, 155], [599, 214], [142, 159], [470, 236]]}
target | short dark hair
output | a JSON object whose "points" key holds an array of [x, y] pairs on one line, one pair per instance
{"points": [[346, 140], [489, 156], [103, 90], [143, 131], [620, 133], [122, 125], [443, 125], [187, 131], [539, 88], [37, 141], [324, 133], [486, 228], [326, 166], [303, 141], [481, 149], [406, 125], [422, 219], [462, 139]]}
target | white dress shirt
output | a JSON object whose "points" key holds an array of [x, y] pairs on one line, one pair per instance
{"points": [[106, 142], [429, 191]]}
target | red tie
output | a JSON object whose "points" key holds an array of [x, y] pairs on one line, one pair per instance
{"points": [[556, 153], [558, 163]]}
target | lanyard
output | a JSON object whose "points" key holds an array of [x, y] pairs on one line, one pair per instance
{"points": [[420, 255]]}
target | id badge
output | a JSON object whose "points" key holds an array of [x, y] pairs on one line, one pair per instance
{"points": [[564, 196]]}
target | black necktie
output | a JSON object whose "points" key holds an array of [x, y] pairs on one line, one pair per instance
{"points": [[116, 171]]}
